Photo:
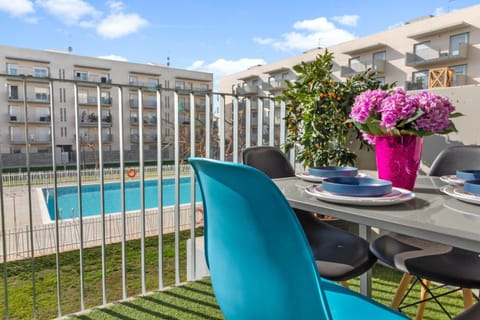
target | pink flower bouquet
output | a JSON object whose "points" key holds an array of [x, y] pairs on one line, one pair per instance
{"points": [[379, 112]]}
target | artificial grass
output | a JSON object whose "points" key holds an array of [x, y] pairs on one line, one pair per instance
{"points": [[196, 301], [191, 301], [19, 277]]}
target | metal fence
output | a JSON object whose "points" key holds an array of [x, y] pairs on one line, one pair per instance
{"points": [[221, 127], [46, 178]]}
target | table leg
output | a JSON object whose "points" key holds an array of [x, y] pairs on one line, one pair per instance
{"points": [[366, 278]]}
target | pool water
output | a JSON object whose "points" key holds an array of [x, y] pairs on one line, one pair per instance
{"points": [[68, 197]]}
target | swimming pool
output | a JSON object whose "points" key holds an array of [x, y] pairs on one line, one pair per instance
{"points": [[68, 197]]}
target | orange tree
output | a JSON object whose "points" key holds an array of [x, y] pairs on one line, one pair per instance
{"points": [[317, 107]]}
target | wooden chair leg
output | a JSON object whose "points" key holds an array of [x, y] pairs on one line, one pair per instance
{"points": [[467, 298], [402, 287], [345, 284], [423, 295]]}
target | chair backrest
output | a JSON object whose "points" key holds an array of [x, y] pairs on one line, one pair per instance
{"points": [[260, 262], [270, 160], [455, 158]]}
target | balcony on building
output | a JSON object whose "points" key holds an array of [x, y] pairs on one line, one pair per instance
{"points": [[19, 139], [250, 85], [93, 138], [91, 120], [18, 69], [276, 80], [148, 102], [92, 74], [437, 55], [92, 101], [369, 57]]}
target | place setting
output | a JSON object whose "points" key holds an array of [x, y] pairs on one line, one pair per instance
{"points": [[464, 186], [318, 174], [343, 185]]}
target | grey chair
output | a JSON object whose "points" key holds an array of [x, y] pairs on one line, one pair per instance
{"points": [[455, 158], [339, 254], [429, 261], [472, 313]]}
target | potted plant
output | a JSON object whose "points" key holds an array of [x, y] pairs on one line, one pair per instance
{"points": [[317, 108], [395, 121]]}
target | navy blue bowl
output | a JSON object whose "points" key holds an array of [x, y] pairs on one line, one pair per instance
{"points": [[357, 187], [468, 174], [472, 186], [333, 171]]}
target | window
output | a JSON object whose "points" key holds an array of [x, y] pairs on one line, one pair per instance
{"points": [[420, 79], [285, 76], [12, 92], [455, 42], [203, 86], [14, 113], [41, 94], [422, 50], [83, 96], [180, 85], [133, 117], [132, 80], [15, 150], [40, 72], [152, 83], [12, 69], [355, 64], [105, 78], [460, 73], [81, 75], [377, 58], [105, 97]]}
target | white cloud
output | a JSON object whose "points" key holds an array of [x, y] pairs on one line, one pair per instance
{"points": [[115, 6], [113, 57], [263, 41], [71, 12], [439, 11], [17, 8], [318, 24], [80, 13], [308, 34], [120, 24], [223, 67], [347, 20]]}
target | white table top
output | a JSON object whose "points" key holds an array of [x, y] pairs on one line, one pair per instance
{"points": [[431, 215]]}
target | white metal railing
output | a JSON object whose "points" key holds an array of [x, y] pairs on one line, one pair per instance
{"points": [[43, 178], [221, 129]]}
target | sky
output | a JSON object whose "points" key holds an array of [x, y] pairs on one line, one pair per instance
{"points": [[218, 36]]}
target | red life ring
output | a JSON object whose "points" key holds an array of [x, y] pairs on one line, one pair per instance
{"points": [[131, 173]]}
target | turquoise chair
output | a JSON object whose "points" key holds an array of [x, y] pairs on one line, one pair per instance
{"points": [[261, 265]]}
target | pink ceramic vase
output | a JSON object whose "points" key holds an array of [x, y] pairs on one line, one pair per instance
{"points": [[398, 159]]}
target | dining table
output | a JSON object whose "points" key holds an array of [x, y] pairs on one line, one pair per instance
{"points": [[428, 214]]}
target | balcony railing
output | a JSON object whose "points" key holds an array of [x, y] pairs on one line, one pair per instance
{"points": [[29, 232], [378, 67], [434, 56]]}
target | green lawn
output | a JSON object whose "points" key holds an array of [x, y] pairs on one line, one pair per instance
{"points": [[197, 301], [19, 275], [191, 301]]}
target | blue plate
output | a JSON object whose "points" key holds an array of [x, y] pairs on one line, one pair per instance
{"points": [[333, 171], [468, 174], [357, 187], [472, 186]]}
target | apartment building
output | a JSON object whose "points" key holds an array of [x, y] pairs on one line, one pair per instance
{"points": [[408, 55], [440, 53], [35, 79]]}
